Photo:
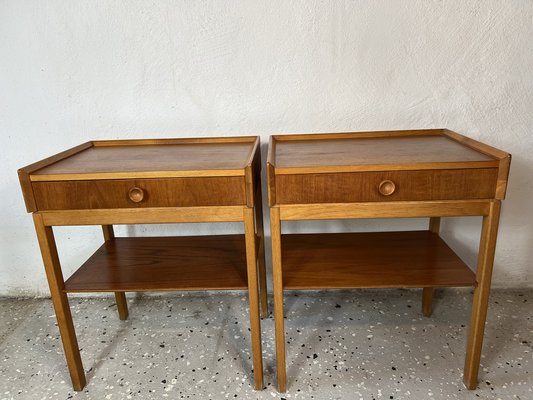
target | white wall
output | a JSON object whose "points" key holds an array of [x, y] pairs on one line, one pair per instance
{"points": [[71, 71]]}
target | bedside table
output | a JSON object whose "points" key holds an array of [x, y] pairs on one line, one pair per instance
{"points": [[152, 182], [394, 174]]}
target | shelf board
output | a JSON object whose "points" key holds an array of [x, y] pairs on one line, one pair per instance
{"points": [[371, 260], [164, 264]]}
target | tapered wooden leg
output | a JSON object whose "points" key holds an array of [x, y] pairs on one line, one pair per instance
{"points": [[60, 300], [275, 232], [122, 305], [427, 294], [253, 294], [478, 317], [427, 301], [120, 297], [261, 253]]}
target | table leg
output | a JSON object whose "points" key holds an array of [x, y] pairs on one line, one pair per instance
{"points": [[427, 295], [253, 293], [261, 253], [54, 275], [120, 297], [427, 301], [478, 317], [275, 232]]}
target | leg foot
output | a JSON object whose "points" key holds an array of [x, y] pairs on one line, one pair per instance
{"points": [[122, 305], [427, 301]]}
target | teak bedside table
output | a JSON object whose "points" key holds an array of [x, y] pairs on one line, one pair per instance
{"points": [[152, 182], [397, 174]]}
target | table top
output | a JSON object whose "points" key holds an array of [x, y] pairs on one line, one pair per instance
{"points": [[396, 150], [149, 158]]}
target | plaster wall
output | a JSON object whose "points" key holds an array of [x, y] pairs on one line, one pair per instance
{"points": [[71, 71]]}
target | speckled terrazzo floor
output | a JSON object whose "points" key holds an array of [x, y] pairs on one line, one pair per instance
{"points": [[361, 344]]}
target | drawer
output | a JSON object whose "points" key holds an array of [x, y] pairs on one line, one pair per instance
{"points": [[135, 193], [451, 184]]}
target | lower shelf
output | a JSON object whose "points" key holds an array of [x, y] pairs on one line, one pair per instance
{"points": [[164, 264], [371, 260]]}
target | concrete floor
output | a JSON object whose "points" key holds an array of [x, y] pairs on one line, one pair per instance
{"points": [[360, 344]]}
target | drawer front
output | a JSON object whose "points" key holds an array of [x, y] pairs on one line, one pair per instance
{"points": [[135, 193], [452, 184]]}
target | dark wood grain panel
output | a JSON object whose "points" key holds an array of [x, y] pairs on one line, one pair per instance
{"points": [[164, 263], [371, 260], [153, 157], [373, 151], [171, 192], [349, 187]]}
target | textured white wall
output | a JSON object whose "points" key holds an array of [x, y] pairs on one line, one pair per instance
{"points": [[71, 71]]}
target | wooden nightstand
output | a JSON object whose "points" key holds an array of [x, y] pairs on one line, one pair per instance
{"points": [[152, 182], [396, 174]]}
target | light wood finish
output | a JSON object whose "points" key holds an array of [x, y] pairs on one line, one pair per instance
{"points": [[454, 184], [136, 175], [400, 209], [143, 264], [387, 187], [253, 294], [427, 295], [388, 174], [172, 192], [122, 305], [427, 301], [277, 274], [60, 300], [261, 253], [434, 225], [255, 200], [168, 141], [271, 185], [135, 194], [356, 135], [371, 260], [487, 248], [120, 297], [109, 232], [154, 181], [252, 174], [163, 215]]}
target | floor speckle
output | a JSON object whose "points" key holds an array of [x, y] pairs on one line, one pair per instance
{"points": [[358, 344]]}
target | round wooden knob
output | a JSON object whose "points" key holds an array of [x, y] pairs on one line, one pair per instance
{"points": [[386, 187], [136, 194]]}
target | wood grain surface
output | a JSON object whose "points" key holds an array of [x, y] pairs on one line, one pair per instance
{"points": [[171, 192], [351, 187], [164, 263], [375, 151], [153, 158], [371, 260]]}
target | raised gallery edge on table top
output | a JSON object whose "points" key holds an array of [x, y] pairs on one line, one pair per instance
{"points": [[147, 158], [379, 150]]}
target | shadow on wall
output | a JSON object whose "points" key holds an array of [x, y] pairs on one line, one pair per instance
{"points": [[515, 231]]}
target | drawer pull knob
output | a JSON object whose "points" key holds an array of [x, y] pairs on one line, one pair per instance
{"points": [[386, 187], [136, 194]]}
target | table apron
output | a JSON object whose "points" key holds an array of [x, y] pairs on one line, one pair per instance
{"points": [[401, 209], [163, 215]]}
